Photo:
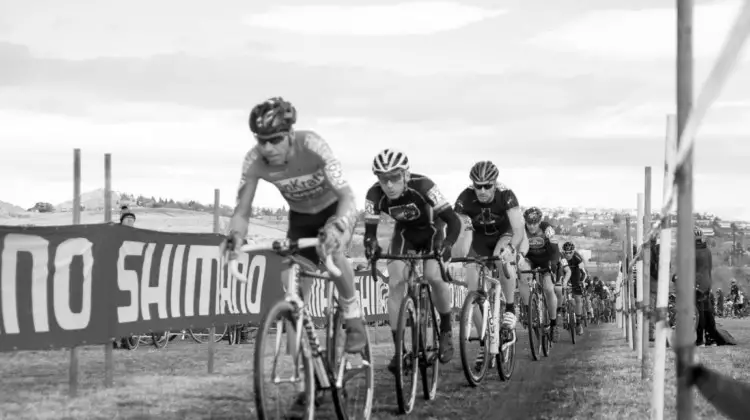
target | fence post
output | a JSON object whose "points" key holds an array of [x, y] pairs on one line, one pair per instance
{"points": [[109, 363], [212, 330], [73, 368], [646, 285], [638, 281], [662, 295], [628, 284]]}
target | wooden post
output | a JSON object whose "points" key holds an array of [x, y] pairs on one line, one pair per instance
{"points": [[646, 285], [662, 296], [212, 330], [638, 281], [73, 368], [685, 340], [109, 363], [628, 282]]}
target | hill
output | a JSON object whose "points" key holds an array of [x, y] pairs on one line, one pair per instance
{"points": [[90, 200], [10, 209]]}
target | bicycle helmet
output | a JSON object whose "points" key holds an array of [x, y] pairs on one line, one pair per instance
{"points": [[532, 215], [569, 247], [483, 172], [272, 118], [389, 160]]}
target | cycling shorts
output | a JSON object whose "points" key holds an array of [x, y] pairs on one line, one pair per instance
{"points": [[575, 281], [304, 225], [535, 264], [417, 240], [484, 246]]}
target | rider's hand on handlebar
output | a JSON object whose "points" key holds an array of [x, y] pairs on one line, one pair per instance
{"points": [[372, 248], [332, 236], [228, 247], [443, 248]]}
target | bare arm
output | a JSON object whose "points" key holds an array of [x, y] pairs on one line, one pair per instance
{"points": [[518, 225], [243, 211], [566, 274]]}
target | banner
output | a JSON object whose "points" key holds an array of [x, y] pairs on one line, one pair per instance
{"points": [[76, 285]]}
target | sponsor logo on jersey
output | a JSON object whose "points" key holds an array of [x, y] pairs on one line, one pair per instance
{"points": [[436, 197], [302, 187], [405, 213], [536, 242]]}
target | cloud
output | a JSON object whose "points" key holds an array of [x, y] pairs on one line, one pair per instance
{"points": [[413, 18], [648, 34]]}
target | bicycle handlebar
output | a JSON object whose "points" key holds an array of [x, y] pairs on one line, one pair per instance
{"points": [[411, 257], [281, 247]]}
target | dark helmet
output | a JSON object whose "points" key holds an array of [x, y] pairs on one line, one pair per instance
{"points": [[273, 117], [532, 215]]}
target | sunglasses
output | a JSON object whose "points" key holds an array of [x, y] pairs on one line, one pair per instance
{"points": [[483, 186], [274, 140], [390, 177]]}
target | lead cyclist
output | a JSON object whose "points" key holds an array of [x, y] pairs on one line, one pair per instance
{"points": [[321, 202]]}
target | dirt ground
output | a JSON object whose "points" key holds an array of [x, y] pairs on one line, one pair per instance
{"points": [[598, 378]]}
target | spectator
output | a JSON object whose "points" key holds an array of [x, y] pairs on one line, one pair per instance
{"points": [[706, 331], [127, 218], [719, 302]]}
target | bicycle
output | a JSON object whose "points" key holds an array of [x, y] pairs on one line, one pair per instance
{"points": [[324, 369], [585, 311], [502, 341], [568, 313], [416, 310], [540, 332]]}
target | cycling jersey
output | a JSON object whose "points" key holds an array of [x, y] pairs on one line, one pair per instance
{"points": [[575, 273], [308, 180], [417, 227], [488, 219], [542, 252]]}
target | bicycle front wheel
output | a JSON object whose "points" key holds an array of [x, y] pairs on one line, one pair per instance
{"points": [[475, 353], [353, 399], [429, 338], [407, 351], [571, 321], [277, 337], [535, 325]]}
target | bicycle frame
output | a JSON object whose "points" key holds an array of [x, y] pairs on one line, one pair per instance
{"points": [[494, 299]]}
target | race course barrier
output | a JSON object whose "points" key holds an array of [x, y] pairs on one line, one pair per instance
{"points": [[66, 286]]}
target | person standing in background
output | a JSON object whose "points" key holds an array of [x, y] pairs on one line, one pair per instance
{"points": [[706, 330]]}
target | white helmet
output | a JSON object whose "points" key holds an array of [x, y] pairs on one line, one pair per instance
{"points": [[389, 160]]}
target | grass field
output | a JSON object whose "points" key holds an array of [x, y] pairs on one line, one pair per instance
{"points": [[597, 378]]}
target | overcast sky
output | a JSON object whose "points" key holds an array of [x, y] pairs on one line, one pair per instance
{"points": [[569, 98]]}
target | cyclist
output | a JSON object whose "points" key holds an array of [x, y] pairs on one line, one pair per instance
{"points": [[577, 277], [498, 229], [321, 202], [421, 214], [540, 252]]}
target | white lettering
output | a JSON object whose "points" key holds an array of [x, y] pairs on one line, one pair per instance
{"points": [[207, 255], [37, 247], [156, 294], [258, 264], [66, 318], [177, 261], [127, 281]]}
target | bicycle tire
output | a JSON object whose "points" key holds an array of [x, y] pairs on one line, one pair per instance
{"points": [[429, 354], [535, 326], [506, 360], [340, 401], [546, 335], [280, 309], [571, 322], [195, 335], [467, 363], [407, 313], [160, 341], [132, 342]]}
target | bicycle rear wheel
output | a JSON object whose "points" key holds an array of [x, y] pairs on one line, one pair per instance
{"points": [[571, 321], [547, 331], [473, 371], [407, 351], [535, 325], [357, 374], [280, 319], [429, 338]]}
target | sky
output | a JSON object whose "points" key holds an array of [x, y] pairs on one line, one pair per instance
{"points": [[568, 98]]}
